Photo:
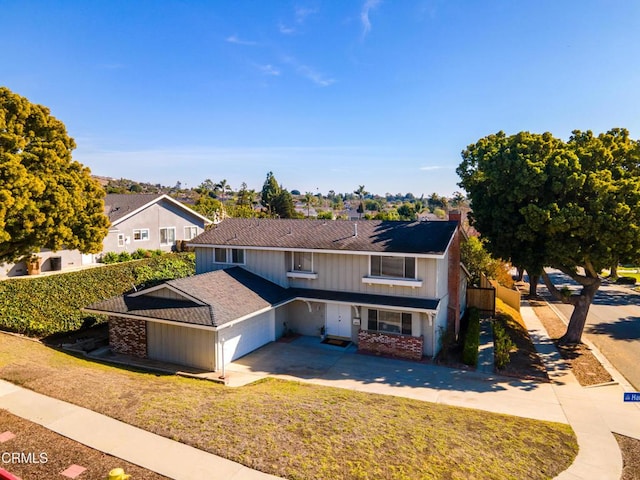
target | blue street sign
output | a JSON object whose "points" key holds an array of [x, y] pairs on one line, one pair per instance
{"points": [[632, 396]]}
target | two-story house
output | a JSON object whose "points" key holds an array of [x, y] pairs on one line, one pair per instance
{"points": [[146, 221], [390, 287]]}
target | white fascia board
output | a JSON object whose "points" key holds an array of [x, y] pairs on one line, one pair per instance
{"points": [[450, 241], [321, 250], [162, 197], [243, 318], [182, 293], [150, 319]]}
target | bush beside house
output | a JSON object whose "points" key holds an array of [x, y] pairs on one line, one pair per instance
{"points": [[47, 305], [472, 338]]}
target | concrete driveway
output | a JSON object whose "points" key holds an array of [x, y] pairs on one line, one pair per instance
{"points": [[307, 360]]}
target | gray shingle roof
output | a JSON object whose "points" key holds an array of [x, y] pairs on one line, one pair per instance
{"points": [[118, 205], [231, 294], [227, 295], [372, 235]]}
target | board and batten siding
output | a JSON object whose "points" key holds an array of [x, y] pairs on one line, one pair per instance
{"points": [[193, 347], [267, 264], [344, 272]]}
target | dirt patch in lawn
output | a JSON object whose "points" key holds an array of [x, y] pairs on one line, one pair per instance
{"points": [[301, 431], [45, 454], [584, 365], [630, 448]]}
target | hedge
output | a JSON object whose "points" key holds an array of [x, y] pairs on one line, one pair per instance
{"points": [[51, 304], [502, 343], [472, 338]]}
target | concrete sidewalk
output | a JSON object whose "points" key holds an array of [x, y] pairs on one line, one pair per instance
{"points": [[159, 454]]}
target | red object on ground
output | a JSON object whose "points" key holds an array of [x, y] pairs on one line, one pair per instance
{"points": [[4, 475]]}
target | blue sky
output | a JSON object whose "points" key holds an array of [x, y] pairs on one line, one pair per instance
{"points": [[326, 94]]}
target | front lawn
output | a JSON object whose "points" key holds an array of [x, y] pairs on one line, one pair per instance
{"points": [[301, 431]]}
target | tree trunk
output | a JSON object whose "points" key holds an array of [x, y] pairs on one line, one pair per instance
{"points": [[520, 275], [533, 285], [573, 336], [614, 271]]}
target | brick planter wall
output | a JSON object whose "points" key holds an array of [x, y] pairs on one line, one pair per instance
{"points": [[128, 336], [402, 346]]}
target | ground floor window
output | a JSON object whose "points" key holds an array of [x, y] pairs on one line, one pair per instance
{"points": [[167, 236], [388, 321]]}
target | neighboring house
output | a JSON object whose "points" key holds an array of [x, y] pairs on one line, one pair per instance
{"points": [[150, 222], [390, 287], [147, 221]]}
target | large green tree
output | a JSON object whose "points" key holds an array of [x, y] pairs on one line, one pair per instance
{"points": [[47, 200], [270, 191], [542, 202]]}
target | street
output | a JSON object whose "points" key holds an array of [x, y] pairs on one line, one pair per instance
{"points": [[613, 323]]}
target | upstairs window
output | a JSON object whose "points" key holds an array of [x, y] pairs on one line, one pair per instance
{"points": [[394, 267], [229, 255], [302, 262]]}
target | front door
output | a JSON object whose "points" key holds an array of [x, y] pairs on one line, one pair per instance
{"points": [[339, 320]]}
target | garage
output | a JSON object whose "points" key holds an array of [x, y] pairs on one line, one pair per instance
{"points": [[193, 347], [245, 336]]}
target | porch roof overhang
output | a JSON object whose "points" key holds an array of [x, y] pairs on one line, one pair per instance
{"points": [[366, 299]]}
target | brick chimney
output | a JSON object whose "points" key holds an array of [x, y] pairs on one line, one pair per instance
{"points": [[453, 310]]}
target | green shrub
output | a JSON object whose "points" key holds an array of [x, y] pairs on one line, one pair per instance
{"points": [[46, 305], [472, 338], [502, 344], [110, 257], [141, 253], [124, 256]]}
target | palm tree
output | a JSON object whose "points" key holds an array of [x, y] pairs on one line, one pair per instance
{"points": [[361, 192], [309, 199], [224, 187]]}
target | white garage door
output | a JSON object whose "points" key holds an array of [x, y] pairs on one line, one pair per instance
{"points": [[248, 335]]}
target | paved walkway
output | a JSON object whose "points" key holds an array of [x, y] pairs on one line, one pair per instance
{"points": [[592, 412]]}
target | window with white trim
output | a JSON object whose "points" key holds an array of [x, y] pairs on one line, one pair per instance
{"points": [[393, 267], [302, 262], [140, 234], [121, 240], [167, 236], [190, 233], [229, 255], [387, 321]]}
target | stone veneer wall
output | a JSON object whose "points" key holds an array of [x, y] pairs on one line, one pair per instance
{"points": [[403, 346], [128, 336]]}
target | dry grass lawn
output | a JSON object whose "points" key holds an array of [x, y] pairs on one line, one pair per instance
{"points": [[301, 431]]}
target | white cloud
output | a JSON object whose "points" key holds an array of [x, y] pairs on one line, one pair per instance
{"points": [[268, 70], [434, 167], [309, 73], [316, 77], [302, 13], [285, 30], [236, 40], [364, 15]]}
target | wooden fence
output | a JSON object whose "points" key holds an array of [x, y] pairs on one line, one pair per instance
{"points": [[484, 299]]}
